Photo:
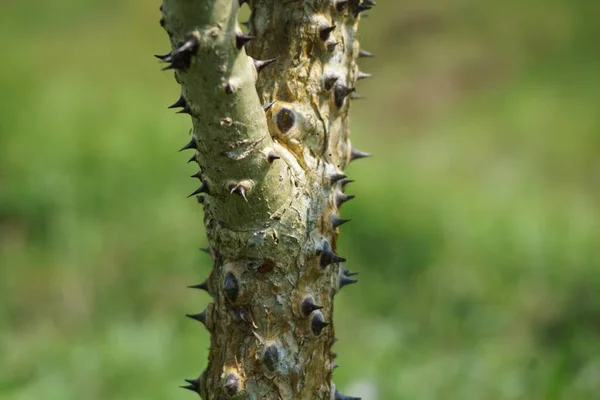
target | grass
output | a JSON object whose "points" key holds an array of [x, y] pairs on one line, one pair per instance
{"points": [[475, 229]]}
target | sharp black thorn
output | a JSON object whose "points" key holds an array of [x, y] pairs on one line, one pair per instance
{"points": [[202, 189], [308, 306], [195, 382], [336, 177], [205, 250], [179, 103], [317, 323], [201, 286], [261, 64], [267, 106], [241, 39], [191, 145], [362, 75], [328, 257], [357, 154], [190, 387], [198, 317], [325, 32], [193, 158], [181, 56], [340, 92], [344, 281], [347, 272], [340, 5], [340, 396], [341, 197], [163, 57], [185, 110], [272, 156], [336, 222], [329, 81], [200, 199], [360, 8], [345, 182], [370, 3], [365, 54], [197, 175]]}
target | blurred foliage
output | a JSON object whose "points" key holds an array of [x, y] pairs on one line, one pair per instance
{"points": [[476, 229]]}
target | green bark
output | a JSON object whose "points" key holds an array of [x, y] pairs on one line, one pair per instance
{"points": [[272, 184]]}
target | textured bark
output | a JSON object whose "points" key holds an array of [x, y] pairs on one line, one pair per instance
{"points": [[271, 183]]}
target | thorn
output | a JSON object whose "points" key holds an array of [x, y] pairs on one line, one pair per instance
{"points": [[231, 287], [336, 177], [239, 190], [341, 396], [341, 197], [193, 381], [202, 189], [362, 75], [308, 306], [317, 324], [267, 106], [340, 5], [370, 3], [181, 56], [325, 32], [347, 272], [193, 385], [197, 175], [272, 156], [205, 250], [360, 8], [245, 23], [201, 286], [344, 280], [357, 154], [241, 40], [328, 256], [261, 64], [340, 92], [179, 103], [329, 81], [190, 387], [198, 317], [200, 199], [191, 145], [336, 222], [365, 54], [333, 356], [185, 110], [232, 384], [229, 89], [271, 357], [355, 96], [345, 182], [162, 57], [193, 158]]}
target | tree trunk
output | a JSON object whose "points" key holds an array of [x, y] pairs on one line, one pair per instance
{"points": [[270, 134]]}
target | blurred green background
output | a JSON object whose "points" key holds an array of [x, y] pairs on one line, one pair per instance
{"points": [[475, 228]]}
